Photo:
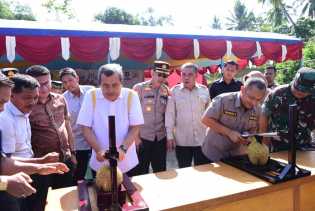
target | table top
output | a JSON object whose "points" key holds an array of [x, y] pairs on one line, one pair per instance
{"points": [[210, 183]]}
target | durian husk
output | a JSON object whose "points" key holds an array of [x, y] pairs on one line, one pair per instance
{"points": [[258, 153], [103, 178]]}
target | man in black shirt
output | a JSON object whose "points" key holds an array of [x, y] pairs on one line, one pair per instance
{"points": [[227, 83]]}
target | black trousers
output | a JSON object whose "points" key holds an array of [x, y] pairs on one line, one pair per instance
{"points": [[186, 154], [150, 153], [83, 157], [8, 202], [37, 201]]}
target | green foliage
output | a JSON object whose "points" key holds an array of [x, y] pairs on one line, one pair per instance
{"points": [[15, 11], [305, 28], [59, 8], [309, 53], [5, 11], [113, 15], [286, 71], [241, 18], [23, 12], [309, 7]]}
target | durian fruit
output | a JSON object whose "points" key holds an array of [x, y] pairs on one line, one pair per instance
{"points": [[103, 178], [258, 153]]}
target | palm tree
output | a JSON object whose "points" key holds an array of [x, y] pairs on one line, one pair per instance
{"points": [[241, 19], [279, 12], [309, 5]]}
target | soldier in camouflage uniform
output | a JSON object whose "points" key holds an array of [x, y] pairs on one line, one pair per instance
{"points": [[300, 91], [153, 96]]}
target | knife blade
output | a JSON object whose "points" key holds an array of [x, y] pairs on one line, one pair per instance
{"points": [[268, 135]]}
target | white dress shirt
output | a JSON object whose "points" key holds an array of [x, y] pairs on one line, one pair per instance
{"points": [[74, 104], [16, 132], [97, 119]]}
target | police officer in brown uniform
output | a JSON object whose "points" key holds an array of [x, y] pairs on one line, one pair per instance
{"points": [[153, 96], [9, 71], [228, 116]]}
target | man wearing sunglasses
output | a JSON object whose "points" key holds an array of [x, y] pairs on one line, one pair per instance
{"points": [[300, 91], [153, 96]]}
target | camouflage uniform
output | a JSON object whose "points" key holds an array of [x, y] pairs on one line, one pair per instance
{"points": [[276, 108]]}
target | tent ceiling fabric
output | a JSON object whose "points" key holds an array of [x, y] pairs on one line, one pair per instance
{"points": [[44, 42]]}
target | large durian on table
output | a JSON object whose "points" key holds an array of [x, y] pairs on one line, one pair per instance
{"points": [[258, 153], [103, 178]]}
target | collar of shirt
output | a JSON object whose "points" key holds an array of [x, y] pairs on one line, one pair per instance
{"points": [[99, 94], [74, 96], [15, 111], [222, 81], [238, 103], [197, 86]]}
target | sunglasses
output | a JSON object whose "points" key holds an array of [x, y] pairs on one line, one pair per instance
{"points": [[162, 75]]}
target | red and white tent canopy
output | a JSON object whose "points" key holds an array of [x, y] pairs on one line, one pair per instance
{"points": [[41, 43]]}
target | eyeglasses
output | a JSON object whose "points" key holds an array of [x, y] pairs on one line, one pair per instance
{"points": [[162, 75]]}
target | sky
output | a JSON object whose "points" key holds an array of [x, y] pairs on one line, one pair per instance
{"points": [[185, 13]]}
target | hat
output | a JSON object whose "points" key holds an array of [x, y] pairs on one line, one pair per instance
{"points": [[56, 84], [162, 67], [9, 71], [304, 80]]}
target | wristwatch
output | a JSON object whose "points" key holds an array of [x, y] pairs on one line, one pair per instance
{"points": [[123, 148], [3, 183]]}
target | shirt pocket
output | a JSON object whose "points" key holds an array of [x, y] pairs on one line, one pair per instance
{"points": [[229, 118], [148, 104]]}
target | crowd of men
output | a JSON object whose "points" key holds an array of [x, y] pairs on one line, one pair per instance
{"points": [[55, 137]]}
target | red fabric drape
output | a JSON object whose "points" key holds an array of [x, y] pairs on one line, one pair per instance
{"points": [[214, 69], [2, 45], [272, 50], [89, 49], [242, 63], [178, 48], [38, 49], [294, 52], [244, 49], [259, 61], [212, 49], [137, 48]]}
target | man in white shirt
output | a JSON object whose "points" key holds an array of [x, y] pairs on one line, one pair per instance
{"points": [[74, 96], [124, 104], [16, 132], [184, 109]]}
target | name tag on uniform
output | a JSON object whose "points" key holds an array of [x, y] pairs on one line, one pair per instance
{"points": [[148, 96], [252, 117], [230, 113]]}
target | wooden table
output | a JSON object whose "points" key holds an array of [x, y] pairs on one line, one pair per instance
{"points": [[216, 186]]}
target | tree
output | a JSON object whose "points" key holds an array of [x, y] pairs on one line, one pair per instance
{"points": [[278, 14], [113, 15], [305, 28], [15, 12], [5, 11], [309, 6], [23, 12], [216, 23], [150, 19], [241, 19], [60, 8]]}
